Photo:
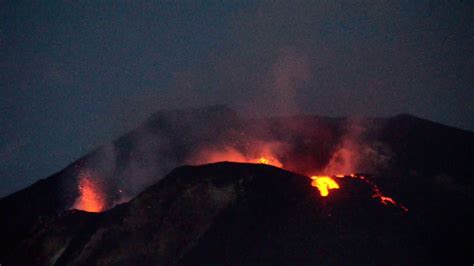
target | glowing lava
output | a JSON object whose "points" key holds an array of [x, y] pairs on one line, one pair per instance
{"points": [[324, 184], [269, 160], [90, 196], [386, 200]]}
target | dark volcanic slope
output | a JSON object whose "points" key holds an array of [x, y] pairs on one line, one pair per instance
{"points": [[429, 170], [131, 163], [230, 214]]}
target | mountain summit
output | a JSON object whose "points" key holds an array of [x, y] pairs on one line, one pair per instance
{"points": [[124, 203], [229, 214]]}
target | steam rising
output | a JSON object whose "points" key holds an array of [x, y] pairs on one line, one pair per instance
{"points": [[288, 75], [199, 136], [257, 152], [356, 153], [172, 138]]}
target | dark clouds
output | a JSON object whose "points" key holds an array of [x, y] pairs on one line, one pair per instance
{"points": [[75, 74]]}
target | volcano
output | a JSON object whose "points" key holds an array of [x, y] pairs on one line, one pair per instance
{"points": [[228, 213], [133, 201]]}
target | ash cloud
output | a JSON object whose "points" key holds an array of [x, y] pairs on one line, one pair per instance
{"points": [[205, 135], [171, 138], [356, 153], [286, 78], [167, 140], [254, 151]]}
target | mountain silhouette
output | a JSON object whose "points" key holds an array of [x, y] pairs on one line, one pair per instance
{"points": [[241, 213]]}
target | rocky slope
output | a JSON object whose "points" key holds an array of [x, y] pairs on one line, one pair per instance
{"points": [[230, 214], [425, 165]]}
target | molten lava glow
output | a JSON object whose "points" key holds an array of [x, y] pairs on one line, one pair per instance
{"points": [[90, 196], [269, 160], [324, 184], [263, 160], [229, 154], [386, 200]]}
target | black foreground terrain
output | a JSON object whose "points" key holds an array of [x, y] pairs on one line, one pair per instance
{"points": [[241, 214]]}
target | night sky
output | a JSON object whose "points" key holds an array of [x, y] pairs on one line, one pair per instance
{"points": [[77, 74]]}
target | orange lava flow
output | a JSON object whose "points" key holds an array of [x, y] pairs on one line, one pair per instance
{"points": [[90, 196], [324, 184], [385, 200]]}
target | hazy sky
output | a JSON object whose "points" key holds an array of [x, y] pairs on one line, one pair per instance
{"points": [[76, 74]]}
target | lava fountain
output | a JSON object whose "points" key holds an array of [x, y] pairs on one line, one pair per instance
{"points": [[90, 195]]}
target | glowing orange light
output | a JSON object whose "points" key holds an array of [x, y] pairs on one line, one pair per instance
{"points": [[324, 184], [90, 197], [386, 200], [379, 195], [263, 160], [269, 161]]}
